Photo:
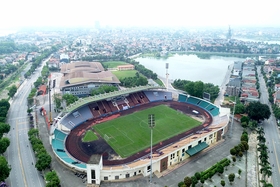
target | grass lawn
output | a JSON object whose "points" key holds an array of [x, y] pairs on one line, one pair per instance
{"points": [[131, 134], [114, 64], [89, 136], [123, 74]]}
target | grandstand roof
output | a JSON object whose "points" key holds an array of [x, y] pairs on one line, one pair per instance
{"points": [[92, 67], [85, 72], [85, 100]]}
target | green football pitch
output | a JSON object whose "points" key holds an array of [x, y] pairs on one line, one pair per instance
{"points": [[130, 134]]}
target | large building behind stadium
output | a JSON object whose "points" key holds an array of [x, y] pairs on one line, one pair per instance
{"points": [[72, 123]]}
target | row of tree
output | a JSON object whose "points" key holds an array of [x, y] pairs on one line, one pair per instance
{"points": [[38, 60], [103, 89], [43, 159], [4, 108], [197, 88], [133, 81], [242, 147], [264, 158], [4, 144]]}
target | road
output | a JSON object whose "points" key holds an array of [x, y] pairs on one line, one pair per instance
{"points": [[271, 134], [20, 154]]}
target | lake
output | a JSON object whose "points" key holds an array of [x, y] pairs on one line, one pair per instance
{"points": [[190, 67]]}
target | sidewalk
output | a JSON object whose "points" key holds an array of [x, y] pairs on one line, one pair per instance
{"points": [[252, 162]]}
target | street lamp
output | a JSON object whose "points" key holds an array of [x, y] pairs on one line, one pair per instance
{"points": [[151, 122]]}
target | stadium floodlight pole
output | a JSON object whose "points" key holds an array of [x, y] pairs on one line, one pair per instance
{"points": [[231, 124], [151, 121]]}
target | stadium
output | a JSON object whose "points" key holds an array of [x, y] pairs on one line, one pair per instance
{"points": [[184, 126]]}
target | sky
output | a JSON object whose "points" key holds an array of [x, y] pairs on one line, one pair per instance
{"points": [[186, 13]]}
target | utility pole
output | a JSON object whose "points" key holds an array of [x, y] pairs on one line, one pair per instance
{"points": [[151, 122], [232, 119], [50, 103]]}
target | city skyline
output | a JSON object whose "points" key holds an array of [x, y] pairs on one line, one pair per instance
{"points": [[201, 13]]}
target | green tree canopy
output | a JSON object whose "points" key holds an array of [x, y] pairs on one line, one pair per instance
{"points": [[4, 169], [4, 128], [188, 181], [69, 98], [12, 91], [43, 161], [52, 179], [258, 111], [231, 177], [239, 109], [4, 144], [104, 89]]}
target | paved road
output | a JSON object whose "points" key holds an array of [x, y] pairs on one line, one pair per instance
{"points": [[271, 134], [20, 154]]}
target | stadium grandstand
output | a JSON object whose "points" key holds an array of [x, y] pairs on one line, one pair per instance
{"points": [[102, 163]]}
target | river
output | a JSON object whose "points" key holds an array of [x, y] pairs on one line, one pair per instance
{"points": [[190, 67]]}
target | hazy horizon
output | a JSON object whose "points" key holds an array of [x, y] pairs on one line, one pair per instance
{"points": [[19, 14]]}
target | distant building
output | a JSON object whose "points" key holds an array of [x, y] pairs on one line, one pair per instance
{"points": [[125, 67], [232, 90], [64, 58], [229, 34]]}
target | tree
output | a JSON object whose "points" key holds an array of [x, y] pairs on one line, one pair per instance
{"points": [[233, 158], [4, 169], [220, 169], [239, 109], [58, 100], [12, 91], [198, 89], [202, 180], [261, 139], [197, 175], [239, 172], [69, 98], [233, 151], [4, 107], [258, 111], [188, 181], [244, 137], [245, 119], [245, 144], [4, 128], [4, 144], [260, 131], [43, 161], [266, 184], [223, 183], [266, 171], [52, 179], [194, 180], [231, 177]]}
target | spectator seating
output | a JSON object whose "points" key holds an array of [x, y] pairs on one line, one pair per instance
{"points": [[204, 104], [182, 98], [211, 108], [158, 95], [77, 117], [193, 100], [58, 146]]}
